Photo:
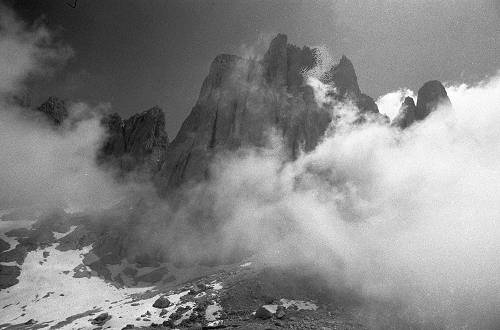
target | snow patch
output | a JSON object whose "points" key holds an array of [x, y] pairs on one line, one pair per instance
{"points": [[61, 235], [212, 313], [215, 285], [49, 294]]}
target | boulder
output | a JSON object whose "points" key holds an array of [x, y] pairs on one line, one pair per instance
{"points": [[263, 313], [162, 302], [280, 312], [101, 319]]}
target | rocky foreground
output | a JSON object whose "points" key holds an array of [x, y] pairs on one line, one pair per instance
{"points": [[51, 278]]}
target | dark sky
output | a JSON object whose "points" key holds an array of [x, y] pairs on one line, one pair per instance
{"points": [[136, 54]]}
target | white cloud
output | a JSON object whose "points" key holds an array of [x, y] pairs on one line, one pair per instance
{"points": [[390, 103]]}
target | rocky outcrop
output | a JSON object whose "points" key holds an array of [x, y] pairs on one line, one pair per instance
{"points": [[139, 142], [55, 109], [406, 115], [242, 100], [343, 77], [430, 96]]}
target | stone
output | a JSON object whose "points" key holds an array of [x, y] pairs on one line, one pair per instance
{"points": [[280, 312], [101, 319], [162, 302], [263, 313]]}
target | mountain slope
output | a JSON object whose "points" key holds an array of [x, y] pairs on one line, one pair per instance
{"points": [[242, 100]]}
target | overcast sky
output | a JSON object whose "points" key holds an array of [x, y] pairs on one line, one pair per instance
{"points": [[136, 54]]}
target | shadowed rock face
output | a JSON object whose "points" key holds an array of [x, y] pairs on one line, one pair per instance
{"points": [[242, 100], [343, 77], [139, 142], [55, 109], [406, 115], [431, 95]]}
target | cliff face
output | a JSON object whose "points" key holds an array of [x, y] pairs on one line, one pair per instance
{"points": [[406, 115], [242, 100], [430, 96], [55, 109], [139, 142]]}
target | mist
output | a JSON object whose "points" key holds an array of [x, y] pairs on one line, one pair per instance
{"points": [[402, 217], [41, 165]]}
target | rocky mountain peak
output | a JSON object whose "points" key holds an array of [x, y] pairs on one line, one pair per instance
{"points": [[275, 61], [431, 95], [55, 109], [343, 77], [242, 99], [137, 142], [406, 115]]}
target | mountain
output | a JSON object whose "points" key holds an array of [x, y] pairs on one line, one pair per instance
{"points": [[406, 115], [430, 96], [55, 109], [139, 142], [242, 100]]}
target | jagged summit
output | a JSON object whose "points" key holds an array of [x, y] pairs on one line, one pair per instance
{"points": [[406, 115], [137, 142], [344, 78], [431, 95], [55, 109], [241, 99]]}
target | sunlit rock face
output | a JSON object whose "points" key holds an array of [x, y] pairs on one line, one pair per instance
{"points": [[430, 96], [139, 142], [242, 100]]}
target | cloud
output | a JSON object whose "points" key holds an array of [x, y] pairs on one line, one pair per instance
{"points": [[390, 103], [39, 165], [406, 218], [26, 50]]}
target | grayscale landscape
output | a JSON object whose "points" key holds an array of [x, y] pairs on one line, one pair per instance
{"points": [[249, 165]]}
